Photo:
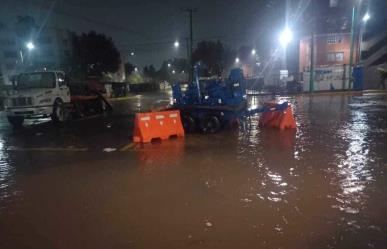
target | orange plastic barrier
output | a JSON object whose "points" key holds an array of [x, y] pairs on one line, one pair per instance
{"points": [[154, 125], [279, 119]]}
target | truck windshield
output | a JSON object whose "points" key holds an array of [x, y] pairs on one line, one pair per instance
{"points": [[36, 80]]}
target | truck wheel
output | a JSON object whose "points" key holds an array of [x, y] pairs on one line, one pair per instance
{"points": [[189, 124], [16, 121], [210, 124], [59, 112]]}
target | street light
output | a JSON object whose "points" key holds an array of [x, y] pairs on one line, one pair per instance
{"points": [[176, 44], [366, 17], [169, 64], [30, 45], [173, 71], [253, 52], [132, 53], [286, 37], [136, 69], [237, 60]]}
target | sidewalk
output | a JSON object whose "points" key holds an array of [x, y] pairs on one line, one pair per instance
{"points": [[318, 93]]}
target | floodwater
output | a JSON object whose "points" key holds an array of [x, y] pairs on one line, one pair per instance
{"points": [[322, 186]]}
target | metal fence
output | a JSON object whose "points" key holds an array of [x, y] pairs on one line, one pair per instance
{"points": [[327, 78]]}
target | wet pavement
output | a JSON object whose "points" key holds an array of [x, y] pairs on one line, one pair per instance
{"points": [[85, 185]]}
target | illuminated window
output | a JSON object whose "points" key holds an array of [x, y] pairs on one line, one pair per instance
{"points": [[333, 39], [335, 57], [340, 56]]}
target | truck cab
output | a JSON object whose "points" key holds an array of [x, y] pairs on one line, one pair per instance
{"points": [[38, 95]]}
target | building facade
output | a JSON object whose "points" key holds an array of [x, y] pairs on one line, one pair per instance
{"points": [[331, 59], [329, 50]]}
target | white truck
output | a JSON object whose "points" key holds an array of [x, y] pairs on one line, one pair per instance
{"points": [[48, 94]]}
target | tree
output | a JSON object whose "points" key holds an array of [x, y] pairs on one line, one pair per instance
{"points": [[94, 54], [213, 56], [129, 68], [163, 74], [149, 71]]}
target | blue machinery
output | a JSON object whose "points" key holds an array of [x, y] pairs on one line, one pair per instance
{"points": [[210, 105]]}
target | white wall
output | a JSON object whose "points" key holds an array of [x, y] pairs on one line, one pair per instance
{"points": [[325, 77]]}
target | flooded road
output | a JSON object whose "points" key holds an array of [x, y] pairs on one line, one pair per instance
{"points": [[322, 186]]}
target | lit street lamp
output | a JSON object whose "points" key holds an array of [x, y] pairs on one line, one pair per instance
{"points": [[173, 71], [169, 64], [366, 17], [132, 53], [30, 45], [136, 69], [176, 44], [253, 52], [237, 60], [286, 37]]}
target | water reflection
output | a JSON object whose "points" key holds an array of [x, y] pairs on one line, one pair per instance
{"points": [[353, 170], [5, 172], [266, 150], [160, 155]]}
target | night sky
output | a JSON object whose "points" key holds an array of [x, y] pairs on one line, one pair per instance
{"points": [[150, 27]]}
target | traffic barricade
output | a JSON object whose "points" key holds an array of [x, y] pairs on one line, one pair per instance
{"points": [[281, 119], [157, 125]]}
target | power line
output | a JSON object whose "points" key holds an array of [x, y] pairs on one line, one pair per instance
{"points": [[190, 12]]}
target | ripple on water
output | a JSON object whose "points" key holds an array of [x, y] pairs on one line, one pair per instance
{"points": [[353, 172], [5, 173]]}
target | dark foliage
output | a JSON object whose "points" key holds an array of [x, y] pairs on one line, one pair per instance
{"points": [[94, 54], [213, 56], [129, 68], [150, 71]]}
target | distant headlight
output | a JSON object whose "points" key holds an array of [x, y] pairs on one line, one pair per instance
{"points": [[45, 101]]}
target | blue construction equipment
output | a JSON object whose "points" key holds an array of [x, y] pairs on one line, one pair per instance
{"points": [[211, 104]]}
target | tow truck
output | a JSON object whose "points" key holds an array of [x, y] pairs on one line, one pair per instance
{"points": [[51, 94]]}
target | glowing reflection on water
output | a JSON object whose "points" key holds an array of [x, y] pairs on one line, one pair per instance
{"points": [[4, 168], [5, 172], [353, 170]]}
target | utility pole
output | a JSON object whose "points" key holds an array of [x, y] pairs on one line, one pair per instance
{"points": [[352, 48], [311, 71], [362, 29], [188, 48], [190, 11], [311, 68]]}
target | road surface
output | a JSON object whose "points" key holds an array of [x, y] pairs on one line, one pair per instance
{"points": [[86, 185]]}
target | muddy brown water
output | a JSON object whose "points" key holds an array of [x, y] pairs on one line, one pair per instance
{"points": [[322, 186]]}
